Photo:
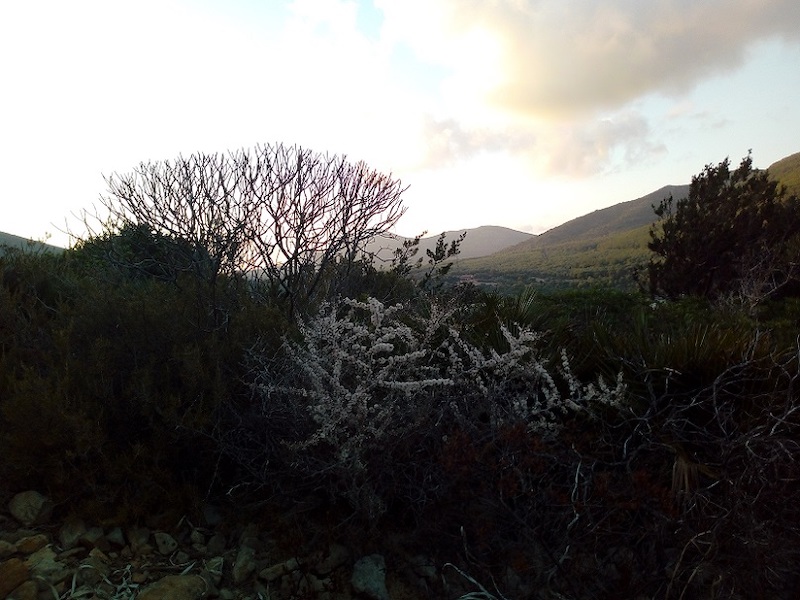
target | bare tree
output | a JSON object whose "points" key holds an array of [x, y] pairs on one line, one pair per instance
{"points": [[286, 214]]}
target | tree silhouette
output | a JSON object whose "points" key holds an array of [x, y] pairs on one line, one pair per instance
{"points": [[284, 214], [736, 234]]}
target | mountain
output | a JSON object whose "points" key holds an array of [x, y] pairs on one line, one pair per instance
{"points": [[15, 241], [604, 247], [480, 241], [787, 172], [608, 221]]}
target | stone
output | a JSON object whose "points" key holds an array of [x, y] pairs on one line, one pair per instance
{"points": [[7, 549], [138, 538], [13, 573], [139, 577], [216, 545], [165, 543], [30, 508], [244, 565], [43, 563], [212, 572], [175, 587], [71, 532], [32, 543], [276, 571], [27, 591], [369, 577], [424, 568], [197, 537], [116, 538], [94, 538], [95, 568], [338, 556]]}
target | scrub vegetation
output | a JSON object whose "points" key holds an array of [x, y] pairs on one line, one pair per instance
{"points": [[223, 339]]}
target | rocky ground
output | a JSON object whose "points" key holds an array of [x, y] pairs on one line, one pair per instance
{"points": [[42, 559]]}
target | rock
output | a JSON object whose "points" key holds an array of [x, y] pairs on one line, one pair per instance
{"points": [[337, 556], [315, 585], [94, 538], [95, 568], [276, 571], [43, 563], [13, 572], [175, 587], [244, 565], [27, 591], [71, 532], [369, 577], [30, 508], [138, 538], [423, 567], [197, 537], [165, 543], [32, 543], [7, 549], [116, 538], [212, 572], [216, 545]]}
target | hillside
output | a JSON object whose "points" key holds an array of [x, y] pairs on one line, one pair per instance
{"points": [[480, 241], [601, 248], [601, 223], [787, 172], [15, 241], [604, 247]]}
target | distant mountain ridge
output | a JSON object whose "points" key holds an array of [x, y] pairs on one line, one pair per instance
{"points": [[599, 248], [480, 241], [604, 247], [15, 241], [608, 221]]}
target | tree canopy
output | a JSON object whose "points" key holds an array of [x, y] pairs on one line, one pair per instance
{"points": [[283, 214], [736, 234]]}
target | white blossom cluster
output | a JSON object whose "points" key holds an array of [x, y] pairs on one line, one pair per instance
{"points": [[367, 373]]}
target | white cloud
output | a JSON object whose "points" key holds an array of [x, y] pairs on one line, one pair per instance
{"points": [[557, 58]]}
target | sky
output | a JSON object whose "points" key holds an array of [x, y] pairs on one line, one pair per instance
{"points": [[518, 113]]}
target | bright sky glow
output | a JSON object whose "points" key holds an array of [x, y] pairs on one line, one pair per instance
{"points": [[521, 113]]}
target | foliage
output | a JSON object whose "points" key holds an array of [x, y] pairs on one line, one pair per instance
{"points": [[735, 234], [364, 377], [457, 422], [787, 172], [281, 213], [104, 380]]}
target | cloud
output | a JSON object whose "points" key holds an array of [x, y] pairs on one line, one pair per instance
{"points": [[584, 148], [558, 59], [575, 149]]}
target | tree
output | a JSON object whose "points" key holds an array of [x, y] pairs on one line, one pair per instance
{"points": [[736, 234], [281, 213]]}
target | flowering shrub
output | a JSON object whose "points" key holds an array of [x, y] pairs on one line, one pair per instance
{"points": [[368, 376]]}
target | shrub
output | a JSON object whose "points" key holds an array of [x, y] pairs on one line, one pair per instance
{"points": [[363, 380]]}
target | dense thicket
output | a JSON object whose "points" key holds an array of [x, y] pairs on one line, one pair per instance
{"points": [[736, 234]]}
